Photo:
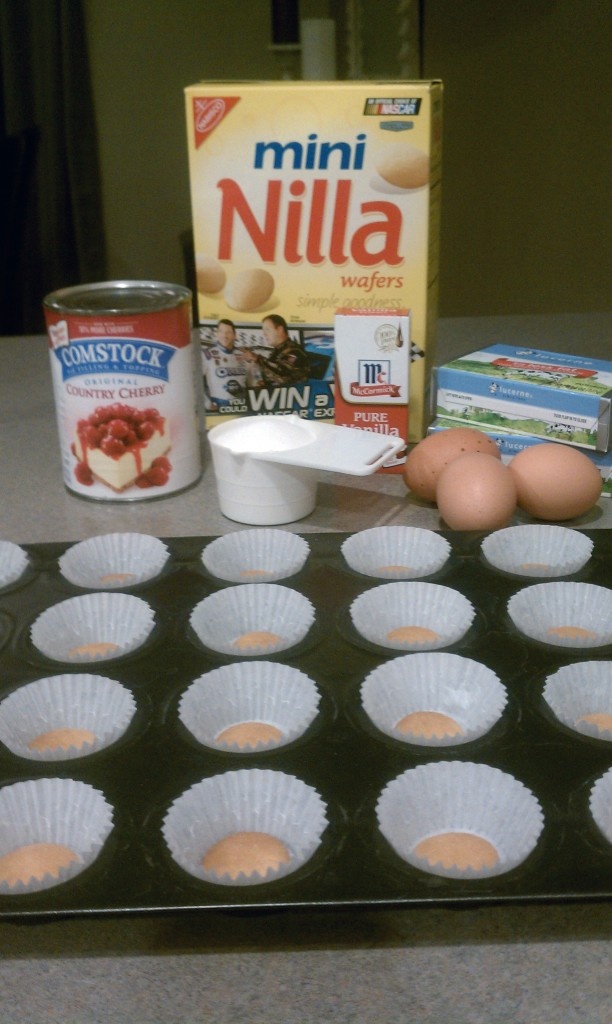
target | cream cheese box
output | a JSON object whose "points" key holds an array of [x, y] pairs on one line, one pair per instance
{"points": [[525, 390]]}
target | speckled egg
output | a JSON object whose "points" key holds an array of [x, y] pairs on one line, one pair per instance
{"points": [[430, 457]]}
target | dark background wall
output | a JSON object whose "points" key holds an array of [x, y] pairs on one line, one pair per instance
{"points": [[525, 222], [526, 194]]}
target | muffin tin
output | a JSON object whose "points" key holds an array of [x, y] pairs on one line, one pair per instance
{"points": [[341, 754]]}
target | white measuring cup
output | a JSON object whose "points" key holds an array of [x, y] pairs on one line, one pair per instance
{"points": [[266, 466]]}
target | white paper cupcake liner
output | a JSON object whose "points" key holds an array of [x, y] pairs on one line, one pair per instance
{"points": [[475, 801], [247, 801], [580, 696], [243, 698], [538, 550], [433, 699], [255, 556], [564, 614], [396, 552], [65, 717], [13, 563], [93, 628], [114, 560], [600, 804], [412, 616], [252, 619], [60, 812]]}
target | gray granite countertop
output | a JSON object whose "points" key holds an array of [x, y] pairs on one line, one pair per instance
{"points": [[524, 964]]}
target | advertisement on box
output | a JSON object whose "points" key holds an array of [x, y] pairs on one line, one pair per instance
{"points": [[309, 198]]}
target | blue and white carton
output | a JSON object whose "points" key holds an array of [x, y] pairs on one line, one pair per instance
{"points": [[524, 390]]}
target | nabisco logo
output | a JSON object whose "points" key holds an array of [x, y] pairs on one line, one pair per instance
{"points": [[208, 112]]}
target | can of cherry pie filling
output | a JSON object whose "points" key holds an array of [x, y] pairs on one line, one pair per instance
{"points": [[125, 380]]}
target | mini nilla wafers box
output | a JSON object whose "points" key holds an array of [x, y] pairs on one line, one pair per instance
{"points": [[308, 199]]}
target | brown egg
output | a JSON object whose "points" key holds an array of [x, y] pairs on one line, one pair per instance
{"points": [[476, 492], [554, 481], [436, 451]]}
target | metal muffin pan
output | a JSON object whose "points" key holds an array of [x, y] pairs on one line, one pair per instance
{"points": [[342, 755]]}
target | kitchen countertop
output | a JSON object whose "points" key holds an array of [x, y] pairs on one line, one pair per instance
{"points": [[524, 964], [35, 506]]}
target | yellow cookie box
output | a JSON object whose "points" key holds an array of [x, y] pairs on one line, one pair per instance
{"points": [[309, 198]]}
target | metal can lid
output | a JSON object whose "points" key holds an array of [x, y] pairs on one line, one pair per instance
{"points": [[117, 298]]}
